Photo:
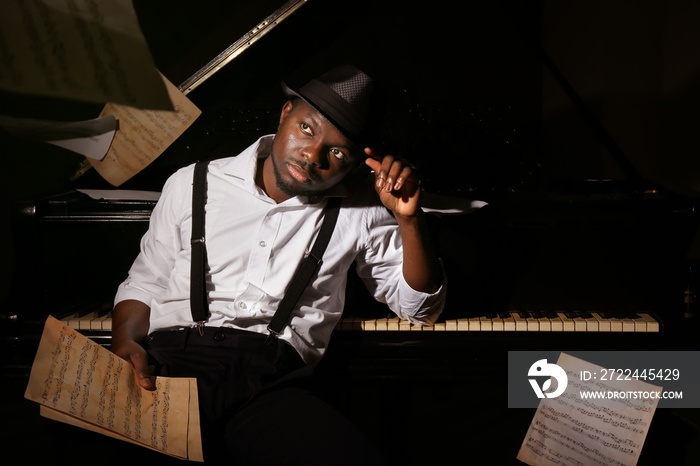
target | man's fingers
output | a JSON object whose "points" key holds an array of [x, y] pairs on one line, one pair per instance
{"points": [[373, 154], [391, 173], [146, 379], [403, 176], [379, 173], [374, 164], [397, 175], [142, 371]]}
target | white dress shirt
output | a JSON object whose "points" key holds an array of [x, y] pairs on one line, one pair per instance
{"points": [[254, 246]]}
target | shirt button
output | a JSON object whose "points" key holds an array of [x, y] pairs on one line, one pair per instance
{"points": [[262, 244], [242, 305]]}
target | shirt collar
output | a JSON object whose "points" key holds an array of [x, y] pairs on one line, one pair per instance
{"points": [[244, 165]]}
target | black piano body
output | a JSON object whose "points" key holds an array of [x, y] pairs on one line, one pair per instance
{"points": [[557, 255], [502, 264]]}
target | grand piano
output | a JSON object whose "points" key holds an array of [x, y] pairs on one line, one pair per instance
{"points": [[553, 236]]}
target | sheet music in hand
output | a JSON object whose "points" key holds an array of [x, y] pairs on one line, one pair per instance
{"points": [[78, 382]]}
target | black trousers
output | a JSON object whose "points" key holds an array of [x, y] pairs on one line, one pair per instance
{"points": [[257, 401]]}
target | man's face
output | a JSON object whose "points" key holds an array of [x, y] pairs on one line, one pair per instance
{"points": [[309, 154]]}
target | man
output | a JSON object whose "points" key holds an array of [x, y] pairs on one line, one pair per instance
{"points": [[264, 208]]}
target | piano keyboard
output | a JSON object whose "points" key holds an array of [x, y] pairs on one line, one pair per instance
{"points": [[91, 321], [502, 322], [518, 322]]}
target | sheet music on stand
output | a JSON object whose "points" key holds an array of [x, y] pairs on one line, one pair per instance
{"points": [[79, 382]]}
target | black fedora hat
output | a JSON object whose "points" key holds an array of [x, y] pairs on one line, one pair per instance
{"points": [[346, 96]]}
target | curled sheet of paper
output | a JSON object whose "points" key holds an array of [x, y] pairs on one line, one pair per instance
{"points": [[569, 429], [143, 135], [90, 138], [78, 49], [77, 381]]}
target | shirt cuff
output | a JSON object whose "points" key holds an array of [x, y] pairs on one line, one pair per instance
{"points": [[126, 291], [421, 307]]}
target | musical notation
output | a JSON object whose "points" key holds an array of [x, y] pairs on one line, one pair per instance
{"points": [[571, 430], [77, 381]]}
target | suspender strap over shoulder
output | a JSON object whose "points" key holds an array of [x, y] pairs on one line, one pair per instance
{"points": [[306, 269], [198, 286]]}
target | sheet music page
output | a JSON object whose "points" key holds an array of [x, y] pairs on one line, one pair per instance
{"points": [[78, 49], [143, 135], [84, 384], [568, 430]]}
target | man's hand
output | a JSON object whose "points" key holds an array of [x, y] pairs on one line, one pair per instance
{"points": [[396, 182], [134, 354], [398, 186], [129, 327]]}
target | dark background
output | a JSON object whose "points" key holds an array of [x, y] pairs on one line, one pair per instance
{"points": [[572, 220]]}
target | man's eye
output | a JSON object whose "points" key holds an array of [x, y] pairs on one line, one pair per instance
{"points": [[305, 128], [338, 154]]}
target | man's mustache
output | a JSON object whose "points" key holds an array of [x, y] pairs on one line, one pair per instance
{"points": [[309, 169]]}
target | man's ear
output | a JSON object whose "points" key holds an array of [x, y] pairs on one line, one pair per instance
{"points": [[286, 110]]}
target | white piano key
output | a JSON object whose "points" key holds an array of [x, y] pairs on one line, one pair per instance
{"points": [[74, 322], [66, 320], [498, 324], [84, 323], [652, 324], [545, 324], [604, 324], [580, 324], [509, 324], [591, 324], [393, 324], [615, 325], [474, 324], [101, 323], [520, 323], [533, 324], [640, 325], [627, 325], [557, 324], [568, 323]]}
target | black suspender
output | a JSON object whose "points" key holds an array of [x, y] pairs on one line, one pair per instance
{"points": [[312, 259], [198, 282], [306, 269]]}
